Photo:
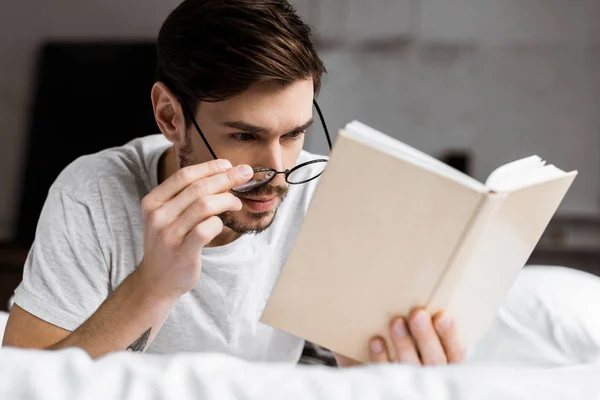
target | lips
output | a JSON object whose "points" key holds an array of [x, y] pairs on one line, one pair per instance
{"points": [[259, 199], [260, 205]]}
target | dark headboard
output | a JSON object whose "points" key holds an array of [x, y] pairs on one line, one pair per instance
{"points": [[88, 96]]}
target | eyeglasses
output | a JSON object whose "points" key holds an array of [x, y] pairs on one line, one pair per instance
{"points": [[301, 173]]}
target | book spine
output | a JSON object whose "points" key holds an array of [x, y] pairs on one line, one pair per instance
{"points": [[458, 262]]}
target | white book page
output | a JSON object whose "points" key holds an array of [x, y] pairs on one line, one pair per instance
{"points": [[522, 173], [384, 143]]}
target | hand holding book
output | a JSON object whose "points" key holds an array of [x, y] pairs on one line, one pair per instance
{"points": [[420, 339]]}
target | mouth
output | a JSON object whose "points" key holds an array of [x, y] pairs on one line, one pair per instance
{"points": [[260, 205]]}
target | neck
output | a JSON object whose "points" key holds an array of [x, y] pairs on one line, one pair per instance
{"points": [[167, 166]]}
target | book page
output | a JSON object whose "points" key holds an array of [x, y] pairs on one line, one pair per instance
{"points": [[492, 260], [382, 142], [522, 173]]}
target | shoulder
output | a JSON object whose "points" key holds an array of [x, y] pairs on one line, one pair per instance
{"points": [[123, 166]]}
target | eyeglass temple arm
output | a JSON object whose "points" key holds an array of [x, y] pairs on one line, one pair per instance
{"points": [[323, 123], [187, 111]]}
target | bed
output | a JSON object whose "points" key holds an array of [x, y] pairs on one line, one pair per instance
{"points": [[545, 344]]}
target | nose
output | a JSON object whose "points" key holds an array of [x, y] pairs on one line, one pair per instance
{"points": [[272, 157]]}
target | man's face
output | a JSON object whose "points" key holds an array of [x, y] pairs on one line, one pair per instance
{"points": [[262, 127]]}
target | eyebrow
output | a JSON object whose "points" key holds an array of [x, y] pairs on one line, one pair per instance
{"points": [[246, 127]]}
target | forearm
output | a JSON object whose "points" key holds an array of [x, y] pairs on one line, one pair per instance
{"points": [[127, 320]]}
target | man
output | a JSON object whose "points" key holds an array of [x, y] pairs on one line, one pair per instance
{"points": [[149, 246]]}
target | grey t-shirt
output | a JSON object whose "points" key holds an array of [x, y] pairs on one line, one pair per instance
{"points": [[90, 238]]}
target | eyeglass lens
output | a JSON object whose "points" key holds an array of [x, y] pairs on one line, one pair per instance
{"points": [[259, 179], [302, 173]]}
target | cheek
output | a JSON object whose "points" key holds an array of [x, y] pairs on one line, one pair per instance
{"points": [[194, 150]]}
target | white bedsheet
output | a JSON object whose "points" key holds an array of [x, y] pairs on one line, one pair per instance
{"points": [[70, 374], [545, 344]]}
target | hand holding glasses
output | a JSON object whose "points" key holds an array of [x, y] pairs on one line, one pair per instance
{"points": [[300, 174]]}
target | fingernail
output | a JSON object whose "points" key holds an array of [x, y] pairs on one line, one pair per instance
{"points": [[421, 319], [245, 171], [376, 346], [400, 328], [225, 164], [444, 323]]}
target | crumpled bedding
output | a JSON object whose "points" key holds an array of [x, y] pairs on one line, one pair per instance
{"points": [[545, 344]]}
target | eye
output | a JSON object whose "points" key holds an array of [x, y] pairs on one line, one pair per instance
{"points": [[295, 135], [244, 137]]}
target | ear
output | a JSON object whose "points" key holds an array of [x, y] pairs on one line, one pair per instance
{"points": [[168, 113]]}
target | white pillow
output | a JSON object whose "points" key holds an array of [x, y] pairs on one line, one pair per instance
{"points": [[550, 318]]}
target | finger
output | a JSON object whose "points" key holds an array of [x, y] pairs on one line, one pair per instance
{"points": [[202, 234], [215, 184], [378, 351], [404, 347], [183, 178], [221, 182], [428, 344], [203, 208], [448, 334]]}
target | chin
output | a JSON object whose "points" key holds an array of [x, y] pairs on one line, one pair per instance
{"points": [[248, 222]]}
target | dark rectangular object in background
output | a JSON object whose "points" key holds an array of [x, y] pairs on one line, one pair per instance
{"points": [[88, 97]]}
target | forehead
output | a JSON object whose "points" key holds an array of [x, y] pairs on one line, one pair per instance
{"points": [[268, 104]]}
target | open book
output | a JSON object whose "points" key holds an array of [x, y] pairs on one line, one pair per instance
{"points": [[391, 228]]}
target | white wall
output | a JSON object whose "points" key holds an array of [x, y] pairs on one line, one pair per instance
{"points": [[514, 77], [502, 103], [503, 78]]}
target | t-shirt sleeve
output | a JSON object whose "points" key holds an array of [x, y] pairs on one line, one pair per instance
{"points": [[66, 275]]}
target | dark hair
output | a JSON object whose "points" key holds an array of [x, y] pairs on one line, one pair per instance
{"points": [[211, 50]]}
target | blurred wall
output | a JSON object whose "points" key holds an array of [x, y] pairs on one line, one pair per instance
{"points": [[23, 25], [504, 78]]}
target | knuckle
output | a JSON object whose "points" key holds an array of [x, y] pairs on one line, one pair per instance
{"points": [[214, 166], [165, 237], [203, 205], [146, 205], [155, 218], [201, 234], [198, 187], [185, 174], [230, 178]]}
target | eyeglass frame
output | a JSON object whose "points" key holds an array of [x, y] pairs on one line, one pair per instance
{"points": [[287, 172]]}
